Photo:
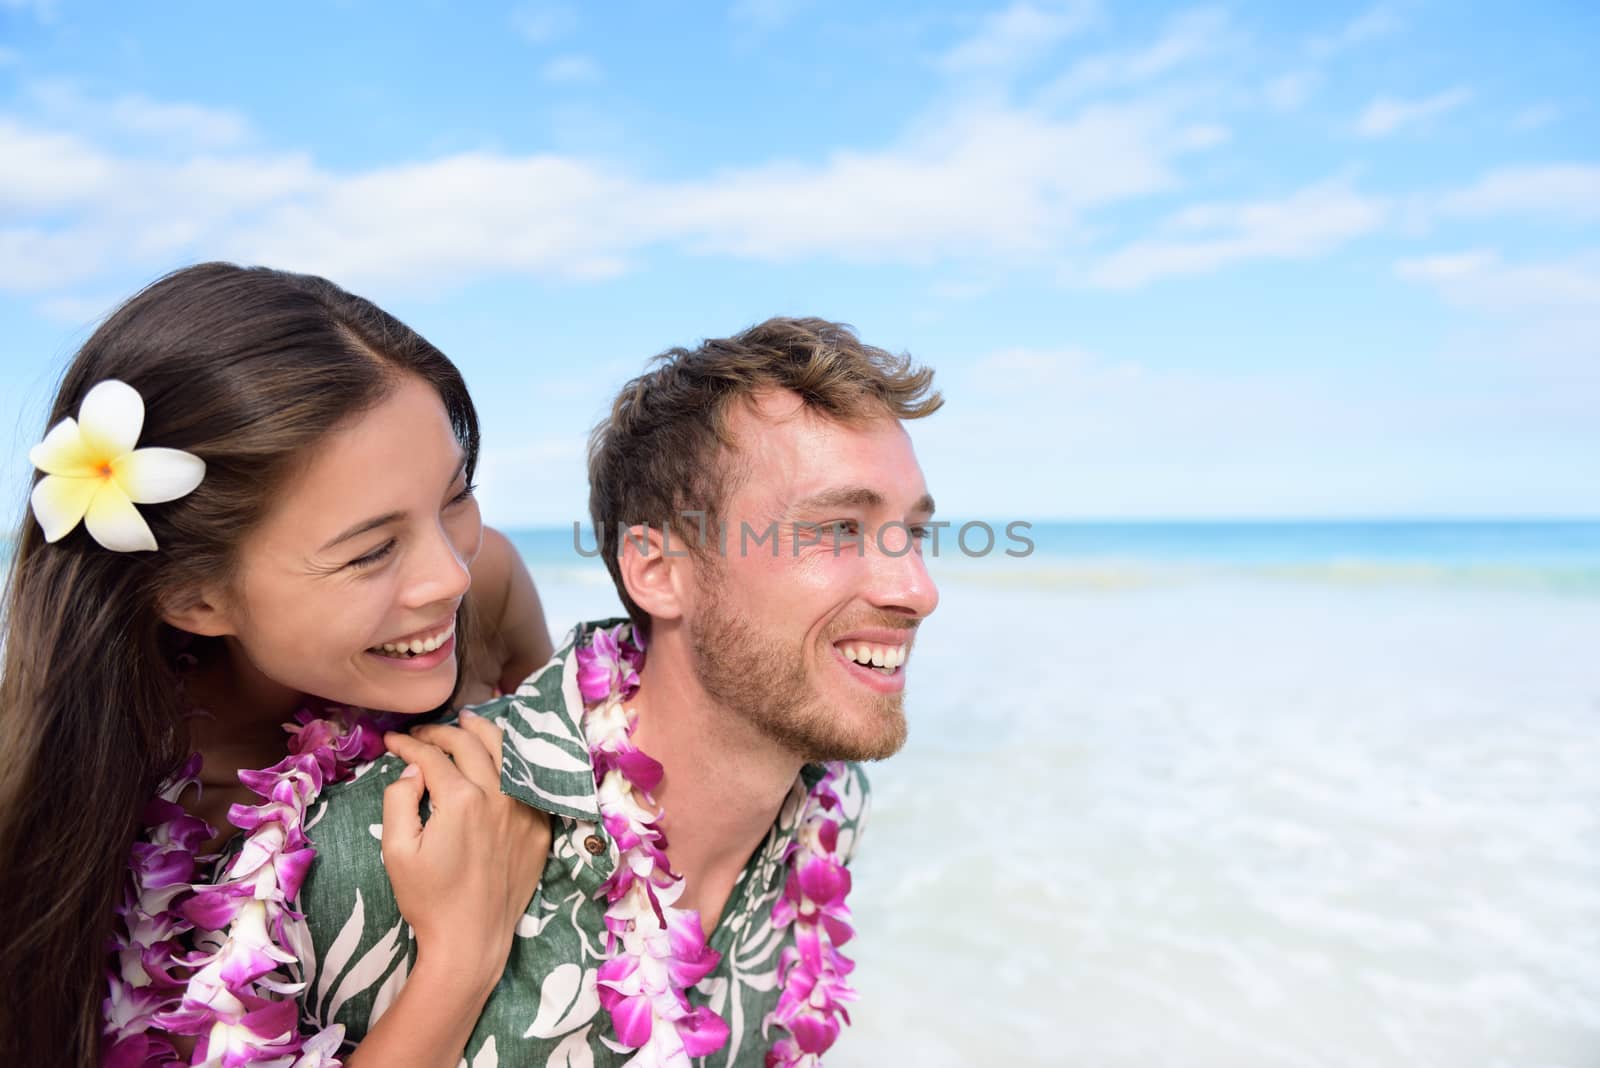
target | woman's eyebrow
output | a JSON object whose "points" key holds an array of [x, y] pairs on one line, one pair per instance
{"points": [[364, 526], [382, 520]]}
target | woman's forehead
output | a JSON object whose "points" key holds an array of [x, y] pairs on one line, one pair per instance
{"points": [[402, 448]]}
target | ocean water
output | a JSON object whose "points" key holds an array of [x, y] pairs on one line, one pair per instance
{"points": [[1294, 795]]}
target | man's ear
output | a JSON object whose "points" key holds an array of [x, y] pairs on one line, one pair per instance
{"points": [[202, 612], [654, 571]]}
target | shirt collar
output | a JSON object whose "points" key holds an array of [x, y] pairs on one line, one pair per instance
{"points": [[545, 758]]}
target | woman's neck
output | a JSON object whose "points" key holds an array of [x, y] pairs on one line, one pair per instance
{"points": [[239, 714]]}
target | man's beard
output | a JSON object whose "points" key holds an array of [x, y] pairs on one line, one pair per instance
{"points": [[759, 677]]}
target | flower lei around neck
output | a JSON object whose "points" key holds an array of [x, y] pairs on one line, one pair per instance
{"points": [[658, 951], [214, 961]]}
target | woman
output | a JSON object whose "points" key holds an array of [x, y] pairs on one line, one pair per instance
{"points": [[303, 543]]}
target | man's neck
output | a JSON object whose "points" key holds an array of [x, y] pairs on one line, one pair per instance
{"points": [[724, 781]]}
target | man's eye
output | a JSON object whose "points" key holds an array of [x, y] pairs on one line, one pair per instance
{"points": [[374, 557], [919, 531], [842, 528]]}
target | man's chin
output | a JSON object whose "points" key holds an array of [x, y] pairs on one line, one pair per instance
{"points": [[882, 738]]}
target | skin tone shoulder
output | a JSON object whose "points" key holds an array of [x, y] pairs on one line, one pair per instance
{"points": [[755, 664], [349, 590]]}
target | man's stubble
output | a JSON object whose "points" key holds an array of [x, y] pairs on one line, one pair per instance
{"points": [[765, 680]]}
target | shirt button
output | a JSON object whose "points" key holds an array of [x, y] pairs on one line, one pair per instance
{"points": [[594, 844]]}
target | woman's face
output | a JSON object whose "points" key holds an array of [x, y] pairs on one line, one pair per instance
{"points": [[349, 589]]}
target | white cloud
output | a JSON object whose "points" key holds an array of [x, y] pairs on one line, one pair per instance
{"points": [[1540, 317], [43, 10], [1370, 25], [1185, 37], [1008, 370], [79, 310], [1567, 192], [1018, 35], [135, 119], [42, 169], [571, 70], [1204, 135], [1480, 280], [1289, 92], [448, 219], [1307, 223], [542, 23], [980, 183], [1536, 117], [1009, 184], [187, 122], [1385, 115], [764, 15]]}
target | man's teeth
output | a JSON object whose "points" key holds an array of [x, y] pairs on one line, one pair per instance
{"points": [[886, 658], [416, 646]]}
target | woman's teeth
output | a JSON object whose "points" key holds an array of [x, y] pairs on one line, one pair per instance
{"points": [[886, 658], [416, 646]]}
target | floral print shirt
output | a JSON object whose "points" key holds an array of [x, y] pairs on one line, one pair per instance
{"points": [[545, 1012]]}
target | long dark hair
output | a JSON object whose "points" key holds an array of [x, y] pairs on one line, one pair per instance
{"points": [[245, 368]]}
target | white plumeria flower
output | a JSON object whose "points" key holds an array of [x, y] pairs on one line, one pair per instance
{"points": [[94, 473]]}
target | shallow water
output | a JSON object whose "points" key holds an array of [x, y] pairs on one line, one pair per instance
{"points": [[1246, 826]]}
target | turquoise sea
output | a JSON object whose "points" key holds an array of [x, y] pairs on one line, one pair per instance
{"points": [[1552, 556]]}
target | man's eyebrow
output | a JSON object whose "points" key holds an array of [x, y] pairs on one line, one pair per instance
{"points": [[362, 527], [844, 497], [855, 497]]}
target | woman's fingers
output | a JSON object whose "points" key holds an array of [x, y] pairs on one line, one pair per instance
{"points": [[402, 811], [443, 778], [487, 732], [471, 754]]}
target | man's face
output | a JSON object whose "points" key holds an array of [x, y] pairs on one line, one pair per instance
{"points": [[811, 641]]}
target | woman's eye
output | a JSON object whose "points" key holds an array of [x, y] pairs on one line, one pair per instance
{"points": [[464, 495], [374, 557]]}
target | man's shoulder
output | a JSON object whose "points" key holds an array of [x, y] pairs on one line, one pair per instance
{"points": [[345, 824], [363, 791]]}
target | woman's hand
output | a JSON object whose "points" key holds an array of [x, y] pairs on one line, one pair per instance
{"points": [[509, 637], [462, 881]]}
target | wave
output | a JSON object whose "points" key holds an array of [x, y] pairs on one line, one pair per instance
{"points": [[1578, 580]]}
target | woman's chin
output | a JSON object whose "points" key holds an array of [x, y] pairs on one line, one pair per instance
{"points": [[412, 693]]}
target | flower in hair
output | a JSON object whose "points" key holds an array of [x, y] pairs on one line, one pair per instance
{"points": [[94, 474]]}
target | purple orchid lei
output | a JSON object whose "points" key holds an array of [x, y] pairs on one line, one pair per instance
{"points": [[658, 951], [209, 960]]}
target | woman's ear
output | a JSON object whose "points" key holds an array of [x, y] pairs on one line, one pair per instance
{"points": [[202, 612], [652, 575]]}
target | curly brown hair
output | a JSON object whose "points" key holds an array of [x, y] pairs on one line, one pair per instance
{"points": [[666, 448]]}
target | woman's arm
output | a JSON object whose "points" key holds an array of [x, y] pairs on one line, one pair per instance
{"points": [[462, 882], [511, 636]]}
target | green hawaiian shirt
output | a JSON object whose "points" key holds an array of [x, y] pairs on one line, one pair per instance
{"points": [[545, 1012]]}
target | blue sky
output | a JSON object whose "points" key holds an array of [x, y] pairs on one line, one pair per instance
{"points": [[1169, 261]]}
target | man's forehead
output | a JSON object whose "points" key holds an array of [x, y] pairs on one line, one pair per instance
{"points": [[792, 454]]}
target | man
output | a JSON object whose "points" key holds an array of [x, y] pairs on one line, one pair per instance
{"points": [[760, 508]]}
